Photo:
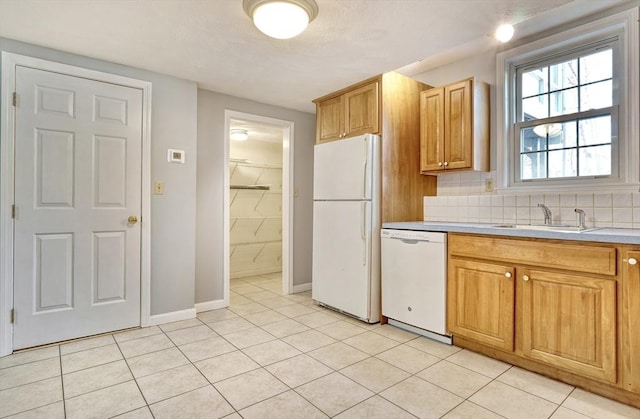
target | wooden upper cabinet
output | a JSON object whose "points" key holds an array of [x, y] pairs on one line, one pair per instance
{"points": [[352, 112], [330, 119], [480, 302], [432, 129], [569, 321], [455, 127], [361, 111]]}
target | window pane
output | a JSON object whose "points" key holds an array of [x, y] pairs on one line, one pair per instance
{"points": [[596, 96], [564, 75], [564, 102], [533, 166], [563, 163], [594, 131], [535, 107], [595, 161], [535, 82], [596, 66], [562, 135], [531, 141]]}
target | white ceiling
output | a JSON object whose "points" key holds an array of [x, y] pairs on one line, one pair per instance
{"points": [[214, 43]]}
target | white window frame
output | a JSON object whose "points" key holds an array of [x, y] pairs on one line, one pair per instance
{"points": [[624, 25]]}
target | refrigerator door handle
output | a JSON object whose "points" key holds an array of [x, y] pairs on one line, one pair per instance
{"points": [[363, 233], [364, 179]]}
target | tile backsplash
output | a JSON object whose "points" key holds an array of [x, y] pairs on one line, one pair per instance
{"points": [[461, 198]]}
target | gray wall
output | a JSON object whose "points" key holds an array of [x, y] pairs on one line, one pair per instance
{"points": [[173, 215], [211, 169]]}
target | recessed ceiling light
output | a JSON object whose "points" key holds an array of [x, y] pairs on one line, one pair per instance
{"points": [[504, 33], [281, 19]]}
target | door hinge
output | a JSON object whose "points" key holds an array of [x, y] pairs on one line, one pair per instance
{"points": [[15, 98], [13, 211], [13, 315]]}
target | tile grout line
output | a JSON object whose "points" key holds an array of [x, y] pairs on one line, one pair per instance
{"points": [[64, 400], [200, 372]]}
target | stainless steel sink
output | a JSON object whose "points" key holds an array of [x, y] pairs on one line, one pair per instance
{"points": [[545, 227]]}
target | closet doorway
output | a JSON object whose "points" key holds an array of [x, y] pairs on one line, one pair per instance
{"points": [[259, 202]]}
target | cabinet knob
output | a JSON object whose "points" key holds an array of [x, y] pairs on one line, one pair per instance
{"points": [[446, 163], [507, 274], [525, 278], [439, 163], [632, 261]]}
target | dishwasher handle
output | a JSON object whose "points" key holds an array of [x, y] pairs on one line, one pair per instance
{"points": [[410, 241]]}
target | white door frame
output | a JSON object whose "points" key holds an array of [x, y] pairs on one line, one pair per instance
{"points": [[287, 196], [7, 163]]}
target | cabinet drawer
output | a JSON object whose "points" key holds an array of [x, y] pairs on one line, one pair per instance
{"points": [[575, 256]]}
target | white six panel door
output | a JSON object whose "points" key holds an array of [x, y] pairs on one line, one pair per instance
{"points": [[78, 151]]}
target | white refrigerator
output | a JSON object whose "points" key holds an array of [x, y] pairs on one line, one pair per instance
{"points": [[346, 226]]}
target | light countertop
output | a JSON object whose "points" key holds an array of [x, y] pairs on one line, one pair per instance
{"points": [[604, 235]]}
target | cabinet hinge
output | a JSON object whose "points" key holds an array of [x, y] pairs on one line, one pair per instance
{"points": [[13, 315], [13, 211], [15, 98]]}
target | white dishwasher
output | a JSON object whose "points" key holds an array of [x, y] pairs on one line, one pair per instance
{"points": [[414, 275]]}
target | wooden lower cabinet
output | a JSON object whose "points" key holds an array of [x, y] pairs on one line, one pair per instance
{"points": [[484, 302], [569, 321], [578, 323], [630, 323]]}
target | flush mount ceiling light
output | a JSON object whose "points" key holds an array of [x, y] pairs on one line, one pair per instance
{"points": [[239, 134], [281, 19], [504, 33]]}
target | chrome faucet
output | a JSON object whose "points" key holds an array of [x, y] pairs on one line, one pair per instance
{"points": [[581, 224], [547, 213]]}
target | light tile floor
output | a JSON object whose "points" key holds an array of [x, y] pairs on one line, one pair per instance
{"points": [[279, 356]]}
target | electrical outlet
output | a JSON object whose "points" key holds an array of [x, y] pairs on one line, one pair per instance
{"points": [[488, 185], [158, 188]]}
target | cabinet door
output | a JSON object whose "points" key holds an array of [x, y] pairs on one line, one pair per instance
{"points": [[458, 125], [329, 119], [432, 130], [480, 298], [569, 321], [630, 327], [361, 110]]}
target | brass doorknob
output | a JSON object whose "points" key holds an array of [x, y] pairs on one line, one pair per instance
{"points": [[132, 219]]}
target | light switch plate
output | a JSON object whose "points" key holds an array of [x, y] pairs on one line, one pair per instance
{"points": [[158, 187]]}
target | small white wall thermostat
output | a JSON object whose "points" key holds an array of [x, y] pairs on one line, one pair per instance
{"points": [[175, 156]]}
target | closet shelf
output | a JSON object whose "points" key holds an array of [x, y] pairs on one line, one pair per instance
{"points": [[252, 187], [255, 217], [254, 243], [249, 163]]}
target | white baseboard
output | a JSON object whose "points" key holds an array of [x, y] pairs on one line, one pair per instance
{"points": [[173, 316], [210, 305], [301, 288]]}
